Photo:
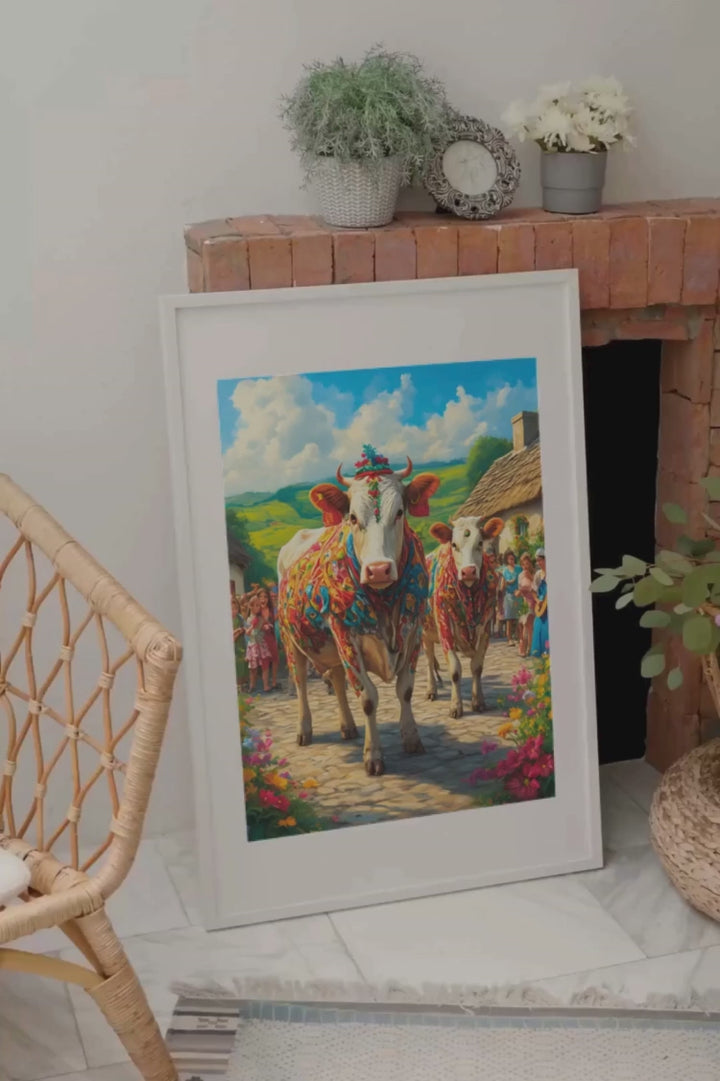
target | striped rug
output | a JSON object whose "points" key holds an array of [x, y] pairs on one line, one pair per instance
{"points": [[264, 1040]]}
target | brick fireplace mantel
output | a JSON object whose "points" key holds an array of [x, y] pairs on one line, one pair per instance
{"points": [[646, 270]]}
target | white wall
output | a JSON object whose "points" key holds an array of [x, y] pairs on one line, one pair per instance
{"points": [[124, 119]]}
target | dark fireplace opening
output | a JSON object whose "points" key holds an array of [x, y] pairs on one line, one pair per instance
{"points": [[622, 400]]}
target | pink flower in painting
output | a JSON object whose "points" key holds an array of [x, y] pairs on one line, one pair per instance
{"points": [[486, 747], [480, 775], [524, 676], [274, 799], [533, 747], [546, 765], [523, 788], [282, 762]]}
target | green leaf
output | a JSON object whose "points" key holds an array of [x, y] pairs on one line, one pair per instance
{"points": [[674, 562], [683, 609], [677, 622], [661, 576], [674, 679], [616, 572], [696, 587], [697, 633], [655, 618], [702, 547], [674, 513], [652, 664], [623, 602], [712, 487], [628, 587], [604, 584], [632, 566], [685, 545], [670, 595], [713, 556], [646, 592], [712, 573]]}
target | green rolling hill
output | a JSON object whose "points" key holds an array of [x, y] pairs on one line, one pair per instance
{"points": [[271, 520]]}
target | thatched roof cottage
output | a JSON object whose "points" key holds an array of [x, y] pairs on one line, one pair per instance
{"points": [[512, 486], [239, 560]]}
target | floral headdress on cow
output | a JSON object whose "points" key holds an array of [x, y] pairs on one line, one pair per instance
{"points": [[371, 466]]}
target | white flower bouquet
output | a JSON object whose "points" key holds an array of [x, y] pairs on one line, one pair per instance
{"points": [[586, 120]]}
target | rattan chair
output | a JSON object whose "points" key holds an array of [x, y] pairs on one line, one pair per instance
{"points": [[52, 739]]}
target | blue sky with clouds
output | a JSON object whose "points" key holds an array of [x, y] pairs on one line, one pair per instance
{"points": [[287, 429]]}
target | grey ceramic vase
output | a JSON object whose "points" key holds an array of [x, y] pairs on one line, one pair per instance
{"points": [[572, 182]]}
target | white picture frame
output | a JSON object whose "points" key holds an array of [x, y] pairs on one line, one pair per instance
{"points": [[211, 337]]}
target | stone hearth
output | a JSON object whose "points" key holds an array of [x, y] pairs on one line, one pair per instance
{"points": [[646, 270]]}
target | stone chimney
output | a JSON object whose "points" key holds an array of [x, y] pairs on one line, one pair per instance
{"points": [[525, 429]]}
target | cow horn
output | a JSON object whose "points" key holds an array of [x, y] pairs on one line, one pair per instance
{"points": [[341, 479], [402, 473]]}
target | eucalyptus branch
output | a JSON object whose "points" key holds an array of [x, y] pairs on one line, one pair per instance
{"points": [[680, 590]]}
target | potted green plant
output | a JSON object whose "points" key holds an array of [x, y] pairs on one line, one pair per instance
{"points": [[680, 595], [362, 129], [574, 129]]}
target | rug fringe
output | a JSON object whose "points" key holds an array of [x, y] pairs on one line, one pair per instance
{"points": [[520, 995]]}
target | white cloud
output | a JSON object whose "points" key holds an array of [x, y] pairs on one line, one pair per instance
{"points": [[284, 436]]}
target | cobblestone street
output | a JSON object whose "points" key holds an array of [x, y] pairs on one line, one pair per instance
{"points": [[412, 784]]}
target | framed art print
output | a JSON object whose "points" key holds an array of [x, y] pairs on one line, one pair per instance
{"points": [[383, 558]]}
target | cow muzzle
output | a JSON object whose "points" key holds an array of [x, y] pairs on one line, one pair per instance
{"points": [[378, 575], [468, 575]]}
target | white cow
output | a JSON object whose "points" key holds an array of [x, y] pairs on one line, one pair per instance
{"points": [[353, 595]]}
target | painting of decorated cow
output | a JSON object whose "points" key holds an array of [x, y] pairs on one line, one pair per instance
{"points": [[462, 604], [379, 513], [353, 596]]}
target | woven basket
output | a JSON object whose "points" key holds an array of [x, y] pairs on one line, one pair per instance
{"points": [[685, 826], [685, 813], [357, 195]]}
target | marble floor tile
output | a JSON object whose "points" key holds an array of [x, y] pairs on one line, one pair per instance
{"points": [[178, 853], [624, 823], [123, 1071], [38, 1033], [494, 936], [706, 977], [676, 975], [302, 949], [637, 779], [635, 890]]}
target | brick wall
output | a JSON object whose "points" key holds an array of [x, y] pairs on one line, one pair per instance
{"points": [[646, 270]]}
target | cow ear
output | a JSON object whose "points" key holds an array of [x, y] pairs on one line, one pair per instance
{"points": [[331, 501], [441, 532], [418, 494], [493, 528]]}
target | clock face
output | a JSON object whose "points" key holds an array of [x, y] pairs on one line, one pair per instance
{"points": [[469, 167]]}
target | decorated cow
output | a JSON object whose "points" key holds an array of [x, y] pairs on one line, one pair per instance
{"points": [[462, 604], [353, 596]]}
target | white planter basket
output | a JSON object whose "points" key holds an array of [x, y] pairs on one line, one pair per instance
{"points": [[357, 195]]}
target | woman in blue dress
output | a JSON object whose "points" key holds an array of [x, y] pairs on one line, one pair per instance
{"points": [[511, 597], [540, 638]]}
